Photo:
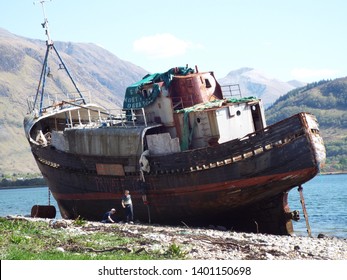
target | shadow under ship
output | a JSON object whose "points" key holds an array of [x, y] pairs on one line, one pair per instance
{"points": [[188, 150]]}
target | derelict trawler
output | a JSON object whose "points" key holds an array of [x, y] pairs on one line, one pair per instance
{"points": [[189, 150]]}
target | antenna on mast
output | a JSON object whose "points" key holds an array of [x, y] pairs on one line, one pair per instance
{"points": [[45, 23], [45, 69]]}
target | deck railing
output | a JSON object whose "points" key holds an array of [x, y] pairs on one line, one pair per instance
{"points": [[53, 99], [111, 117], [231, 91]]}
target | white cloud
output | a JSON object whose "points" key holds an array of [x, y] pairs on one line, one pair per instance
{"points": [[163, 46], [305, 73]]}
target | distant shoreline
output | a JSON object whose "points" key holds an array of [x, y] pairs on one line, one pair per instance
{"points": [[22, 187], [334, 173], [22, 183]]}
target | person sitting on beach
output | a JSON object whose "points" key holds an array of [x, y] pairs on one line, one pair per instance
{"points": [[109, 217]]}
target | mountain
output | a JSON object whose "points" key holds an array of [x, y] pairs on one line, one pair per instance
{"points": [[327, 100], [99, 74], [254, 83]]}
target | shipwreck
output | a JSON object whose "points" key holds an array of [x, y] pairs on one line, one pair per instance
{"points": [[189, 150]]}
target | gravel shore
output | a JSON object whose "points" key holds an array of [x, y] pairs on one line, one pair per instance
{"points": [[207, 244], [212, 244]]}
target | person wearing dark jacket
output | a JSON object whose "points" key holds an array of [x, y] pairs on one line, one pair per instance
{"points": [[109, 217]]}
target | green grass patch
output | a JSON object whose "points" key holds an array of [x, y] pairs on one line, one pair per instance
{"points": [[22, 239]]}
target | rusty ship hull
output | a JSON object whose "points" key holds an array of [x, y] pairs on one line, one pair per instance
{"points": [[242, 184]]}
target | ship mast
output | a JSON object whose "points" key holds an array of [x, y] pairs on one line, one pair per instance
{"points": [[45, 69], [45, 23]]}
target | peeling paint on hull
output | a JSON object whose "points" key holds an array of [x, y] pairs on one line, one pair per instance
{"points": [[247, 194]]}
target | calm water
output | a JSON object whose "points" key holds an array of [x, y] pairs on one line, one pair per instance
{"points": [[326, 204], [19, 201], [325, 199]]}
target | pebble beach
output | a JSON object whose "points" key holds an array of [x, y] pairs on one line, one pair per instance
{"points": [[214, 244], [208, 244]]}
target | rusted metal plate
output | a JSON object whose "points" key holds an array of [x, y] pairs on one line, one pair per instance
{"points": [[110, 169], [201, 86]]}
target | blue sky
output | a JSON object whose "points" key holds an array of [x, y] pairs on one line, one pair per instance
{"points": [[298, 39]]}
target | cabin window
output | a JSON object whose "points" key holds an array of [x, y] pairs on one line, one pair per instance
{"points": [[207, 83], [238, 112]]}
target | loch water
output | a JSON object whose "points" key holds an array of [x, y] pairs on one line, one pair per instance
{"points": [[326, 204], [325, 200]]}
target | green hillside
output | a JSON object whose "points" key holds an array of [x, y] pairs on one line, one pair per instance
{"points": [[327, 100]]}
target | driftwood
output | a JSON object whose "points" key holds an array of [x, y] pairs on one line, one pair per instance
{"points": [[114, 249], [108, 249], [15, 218]]}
